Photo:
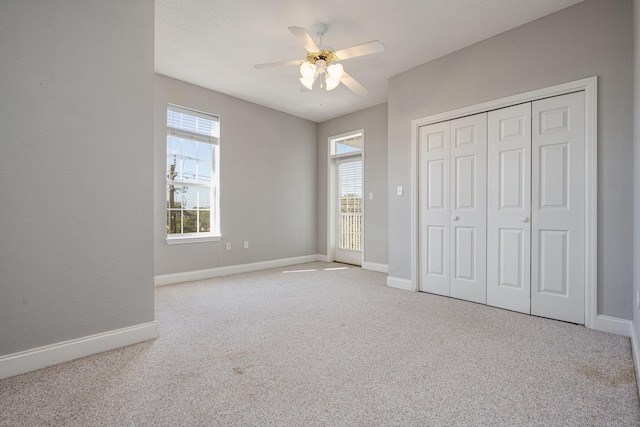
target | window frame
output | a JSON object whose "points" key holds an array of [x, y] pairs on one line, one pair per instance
{"points": [[214, 234]]}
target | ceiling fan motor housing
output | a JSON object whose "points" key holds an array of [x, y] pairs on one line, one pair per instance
{"points": [[325, 55]]}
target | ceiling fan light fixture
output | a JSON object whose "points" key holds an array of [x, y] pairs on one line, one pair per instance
{"points": [[321, 65], [335, 71], [307, 82], [308, 70], [331, 83]]}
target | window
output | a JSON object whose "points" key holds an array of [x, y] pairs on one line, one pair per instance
{"points": [[351, 144], [192, 176]]}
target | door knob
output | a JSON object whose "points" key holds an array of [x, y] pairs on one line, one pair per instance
{"points": [[454, 217], [524, 219]]}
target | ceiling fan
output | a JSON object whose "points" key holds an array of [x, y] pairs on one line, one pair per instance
{"points": [[323, 63]]}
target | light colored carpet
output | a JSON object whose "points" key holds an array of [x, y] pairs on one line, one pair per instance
{"points": [[335, 347]]}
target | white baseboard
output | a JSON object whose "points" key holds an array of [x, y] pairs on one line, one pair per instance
{"points": [[635, 351], [612, 325], [41, 357], [188, 276], [323, 258], [398, 283], [381, 268]]}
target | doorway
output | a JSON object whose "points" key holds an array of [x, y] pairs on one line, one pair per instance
{"points": [[346, 205]]}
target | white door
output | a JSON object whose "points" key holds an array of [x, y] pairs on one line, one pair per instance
{"points": [[349, 211], [509, 208], [558, 208], [433, 187], [468, 208]]}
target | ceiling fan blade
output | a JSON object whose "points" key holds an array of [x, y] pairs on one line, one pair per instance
{"points": [[354, 85], [303, 37], [361, 50], [277, 64]]}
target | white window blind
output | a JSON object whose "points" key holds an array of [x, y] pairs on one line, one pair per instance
{"points": [[193, 124]]}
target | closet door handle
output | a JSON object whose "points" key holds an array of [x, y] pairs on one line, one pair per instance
{"points": [[524, 219], [454, 217]]}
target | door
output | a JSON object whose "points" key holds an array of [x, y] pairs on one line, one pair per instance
{"points": [[468, 208], [433, 149], [558, 208], [509, 208], [502, 208], [453, 208], [349, 211]]}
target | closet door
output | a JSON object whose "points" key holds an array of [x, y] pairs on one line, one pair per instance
{"points": [[468, 208], [434, 141], [509, 208], [558, 203]]}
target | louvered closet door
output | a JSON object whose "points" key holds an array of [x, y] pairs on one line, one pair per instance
{"points": [[558, 203], [468, 208], [509, 208], [433, 148]]}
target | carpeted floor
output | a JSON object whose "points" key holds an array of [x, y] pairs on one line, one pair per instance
{"points": [[329, 345]]}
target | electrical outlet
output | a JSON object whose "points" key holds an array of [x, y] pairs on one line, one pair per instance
{"points": [[246, 244], [228, 246]]}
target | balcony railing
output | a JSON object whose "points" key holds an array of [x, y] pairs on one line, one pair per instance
{"points": [[350, 231]]}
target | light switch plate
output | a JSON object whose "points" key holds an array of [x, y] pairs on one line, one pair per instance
{"points": [[399, 190]]}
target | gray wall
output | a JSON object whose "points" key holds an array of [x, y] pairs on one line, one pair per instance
{"points": [[636, 165], [268, 182], [374, 122], [590, 38], [76, 149]]}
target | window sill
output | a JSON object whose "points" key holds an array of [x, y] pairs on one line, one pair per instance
{"points": [[193, 239]]}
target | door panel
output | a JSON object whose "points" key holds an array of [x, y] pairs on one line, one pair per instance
{"points": [[468, 209], [509, 208], [552, 262], [433, 187], [436, 181], [553, 165], [558, 208], [465, 259], [435, 251], [511, 259], [511, 188], [465, 182]]}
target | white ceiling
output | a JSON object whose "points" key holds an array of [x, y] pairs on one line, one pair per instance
{"points": [[216, 43]]}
